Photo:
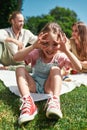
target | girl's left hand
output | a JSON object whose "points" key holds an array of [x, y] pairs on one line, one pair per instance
{"points": [[62, 39]]}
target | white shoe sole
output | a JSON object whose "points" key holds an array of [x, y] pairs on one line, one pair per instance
{"points": [[25, 118], [52, 113]]}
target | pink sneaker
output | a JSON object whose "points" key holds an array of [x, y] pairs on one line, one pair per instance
{"points": [[28, 110], [53, 108]]}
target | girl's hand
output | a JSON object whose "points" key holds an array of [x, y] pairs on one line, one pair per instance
{"points": [[62, 40], [42, 40]]}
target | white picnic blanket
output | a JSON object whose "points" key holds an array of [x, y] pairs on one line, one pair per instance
{"points": [[9, 79]]}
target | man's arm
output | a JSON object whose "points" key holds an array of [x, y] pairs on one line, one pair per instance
{"points": [[15, 41]]}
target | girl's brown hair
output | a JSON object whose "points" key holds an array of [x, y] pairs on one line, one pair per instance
{"points": [[54, 27]]}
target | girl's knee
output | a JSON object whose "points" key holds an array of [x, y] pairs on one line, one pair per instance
{"points": [[20, 70], [55, 69]]}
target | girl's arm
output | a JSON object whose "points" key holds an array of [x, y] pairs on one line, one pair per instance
{"points": [[21, 54], [63, 47], [74, 61], [84, 64]]}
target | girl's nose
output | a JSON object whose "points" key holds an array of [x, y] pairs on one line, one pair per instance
{"points": [[50, 47]]}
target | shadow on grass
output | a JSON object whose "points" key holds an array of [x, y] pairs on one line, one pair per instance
{"points": [[41, 122]]}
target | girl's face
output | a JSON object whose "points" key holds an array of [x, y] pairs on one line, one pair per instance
{"points": [[75, 32], [50, 47]]}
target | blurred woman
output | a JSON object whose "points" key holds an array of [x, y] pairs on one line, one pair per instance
{"points": [[78, 43]]}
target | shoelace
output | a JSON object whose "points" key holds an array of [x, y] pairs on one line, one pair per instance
{"points": [[51, 101], [25, 103]]}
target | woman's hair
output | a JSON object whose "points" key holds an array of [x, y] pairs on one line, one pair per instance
{"points": [[52, 27], [78, 22], [13, 15], [82, 32]]}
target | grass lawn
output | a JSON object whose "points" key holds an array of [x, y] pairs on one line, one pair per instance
{"points": [[73, 104]]}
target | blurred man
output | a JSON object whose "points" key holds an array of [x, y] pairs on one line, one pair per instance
{"points": [[13, 39]]}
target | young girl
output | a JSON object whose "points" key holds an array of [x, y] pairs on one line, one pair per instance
{"points": [[78, 43], [47, 57]]}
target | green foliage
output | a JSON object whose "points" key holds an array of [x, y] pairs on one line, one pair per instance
{"points": [[59, 13], [6, 8], [64, 17], [35, 24]]}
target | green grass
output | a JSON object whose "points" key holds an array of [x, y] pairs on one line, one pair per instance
{"points": [[73, 105]]}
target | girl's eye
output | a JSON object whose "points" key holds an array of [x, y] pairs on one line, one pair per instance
{"points": [[55, 44], [58, 35]]}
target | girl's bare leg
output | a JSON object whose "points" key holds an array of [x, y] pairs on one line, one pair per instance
{"points": [[53, 86], [25, 82], [26, 85], [54, 81]]}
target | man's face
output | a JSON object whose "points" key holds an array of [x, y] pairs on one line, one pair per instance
{"points": [[18, 22]]}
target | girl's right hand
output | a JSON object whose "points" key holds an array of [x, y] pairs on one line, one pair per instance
{"points": [[41, 41]]}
